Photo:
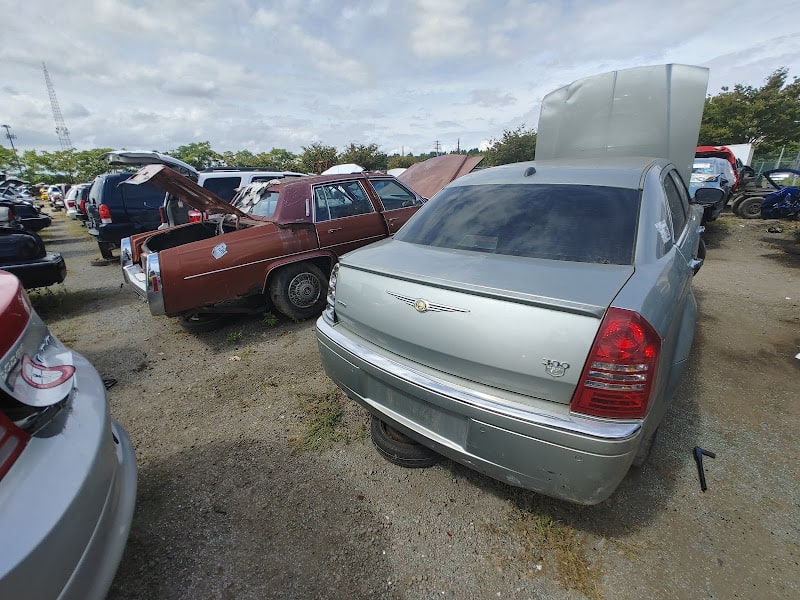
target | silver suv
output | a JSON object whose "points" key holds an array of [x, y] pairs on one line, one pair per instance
{"points": [[224, 182]]}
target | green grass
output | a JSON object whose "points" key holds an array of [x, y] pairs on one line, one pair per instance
{"points": [[545, 541], [53, 302], [269, 319], [234, 336], [325, 425]]}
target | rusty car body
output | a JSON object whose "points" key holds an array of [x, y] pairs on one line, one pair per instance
{"points": [[274, 250]]}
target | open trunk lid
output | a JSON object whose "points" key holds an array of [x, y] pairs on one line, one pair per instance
{"points": [[187, 190], [652, 111], [519, 328]]}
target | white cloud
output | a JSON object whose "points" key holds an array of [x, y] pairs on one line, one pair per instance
{"points": [[247, 75]]}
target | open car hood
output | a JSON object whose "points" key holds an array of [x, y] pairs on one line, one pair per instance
{"points": [[184, 188], [429, 176], [652, 111], [140, 158]]}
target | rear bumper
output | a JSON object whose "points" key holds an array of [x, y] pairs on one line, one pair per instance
{"points": [[577, 459], [48, 270], [74, 492], [137, 279]]}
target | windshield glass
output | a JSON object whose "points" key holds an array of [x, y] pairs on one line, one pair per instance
{"points": [[559, 222]]}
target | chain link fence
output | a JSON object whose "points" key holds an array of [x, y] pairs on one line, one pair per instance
{"points": [[779, 160]]}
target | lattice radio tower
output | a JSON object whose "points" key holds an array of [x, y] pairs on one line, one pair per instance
{"points": [[61, 127]]}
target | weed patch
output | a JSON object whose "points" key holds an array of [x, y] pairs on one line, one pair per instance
{"points": [[544, 541], [53, 303], [325, 425]]}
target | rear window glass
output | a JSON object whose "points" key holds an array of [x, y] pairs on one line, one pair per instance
{"points": [[257, 199], [559, 222]]}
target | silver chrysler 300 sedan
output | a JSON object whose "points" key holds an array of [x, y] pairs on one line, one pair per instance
{"points": [[532, 321], [67, 470]]}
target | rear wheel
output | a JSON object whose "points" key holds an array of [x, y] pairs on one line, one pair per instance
{"points": [[750, 207], [399, 449], [298, 290]]}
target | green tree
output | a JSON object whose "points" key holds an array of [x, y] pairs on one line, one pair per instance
{"points": [[367, 156], [317, 157], [395, 161], [198, 154], [767, 117], [9, 161], [89, 165], [514, 146]]}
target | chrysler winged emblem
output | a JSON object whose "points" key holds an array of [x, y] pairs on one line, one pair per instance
{"points": [[555, 368], [422, 306]]}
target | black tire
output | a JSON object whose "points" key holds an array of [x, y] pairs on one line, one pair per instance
{"points": [[202, 322], [299, 290], [735, 204], [106, 250], [399, 449], [750, 207]]}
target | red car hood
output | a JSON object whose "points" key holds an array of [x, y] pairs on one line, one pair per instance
{"points": [[184, 188], [429, 176]]}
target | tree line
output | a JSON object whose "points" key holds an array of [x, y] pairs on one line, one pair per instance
{"points": [[767, 117]]}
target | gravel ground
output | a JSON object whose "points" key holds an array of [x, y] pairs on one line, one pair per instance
{"points": [[257, 478]]}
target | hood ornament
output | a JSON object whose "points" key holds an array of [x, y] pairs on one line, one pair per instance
{"points": [[422, 306]]}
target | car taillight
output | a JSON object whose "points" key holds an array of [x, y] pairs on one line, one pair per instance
{"points": [[105, 213], [12, 442], [16, 314], [618, 377], [82, 206], [162, 215], [195, 216]]}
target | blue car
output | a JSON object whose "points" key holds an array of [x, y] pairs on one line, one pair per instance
{"points": [[714, 173]]}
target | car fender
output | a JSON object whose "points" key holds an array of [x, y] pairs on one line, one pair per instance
{"points": [[324, 259]]}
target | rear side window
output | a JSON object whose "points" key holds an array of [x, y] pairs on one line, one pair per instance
{"points": [[393, 195], [676, 206], [224, 187], [590, 224]]}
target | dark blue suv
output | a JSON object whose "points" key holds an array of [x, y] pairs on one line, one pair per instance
{"points": [[116, 210]]}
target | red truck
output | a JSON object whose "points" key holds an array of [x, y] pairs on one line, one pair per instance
{"points": [[272, 247]]}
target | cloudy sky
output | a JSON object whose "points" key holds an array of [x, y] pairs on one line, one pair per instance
{"points": [[402, 74]]}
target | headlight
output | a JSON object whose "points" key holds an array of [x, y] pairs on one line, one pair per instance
{"points": [[330, 312]]}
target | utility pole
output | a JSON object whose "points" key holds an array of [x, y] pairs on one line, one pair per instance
{"points": [[437, 147], [11, 137], [61, 127]]}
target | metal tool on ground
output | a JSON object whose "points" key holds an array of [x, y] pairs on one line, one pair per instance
{"points": [[698, 458]]}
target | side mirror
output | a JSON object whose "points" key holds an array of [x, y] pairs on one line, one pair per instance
{"points": [[707, 196]]}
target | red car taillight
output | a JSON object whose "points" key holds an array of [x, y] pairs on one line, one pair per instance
{"points": [[82, 206], [16, 315], [618, 377], [195, 216], [12, 442], [105, 213]]}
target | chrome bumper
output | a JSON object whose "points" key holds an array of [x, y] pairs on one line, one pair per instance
{"points": [[570, 457], [147, 285]]}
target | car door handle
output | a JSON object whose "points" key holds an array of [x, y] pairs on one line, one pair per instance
{"points": [[334, 229], [695, 264], [392, 219]]}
